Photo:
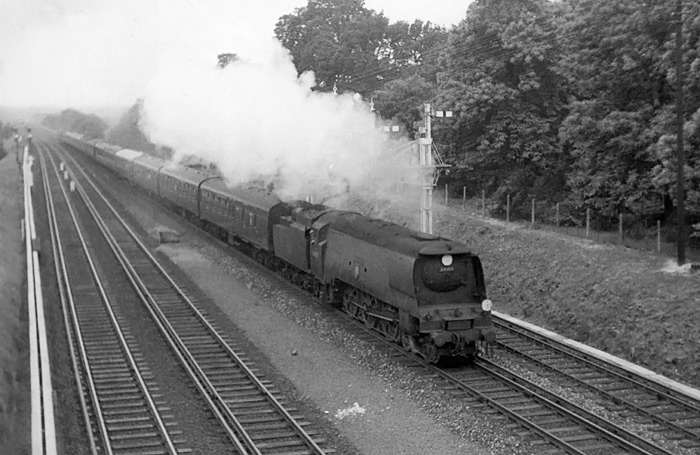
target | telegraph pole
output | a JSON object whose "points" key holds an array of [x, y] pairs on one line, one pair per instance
{"points": [[426, 163], [680, 190]]}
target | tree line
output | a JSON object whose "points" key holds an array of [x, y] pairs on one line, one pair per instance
{"points": [[125, 133], [89, 125], [564, 101]]}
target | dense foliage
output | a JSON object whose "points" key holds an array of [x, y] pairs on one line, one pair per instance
{"points": [[568, 101], [89, 125], [127, 132]]}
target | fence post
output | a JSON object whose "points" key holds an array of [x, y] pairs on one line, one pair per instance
{"points": [[446, 195], [464, 198], [483, 202], [508, 208], [557, 215], [533, 213], [658, 236], [620, 230], [588, 222]]}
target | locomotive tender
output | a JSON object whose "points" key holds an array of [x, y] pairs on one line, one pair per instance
{"points": [[420, 290]]}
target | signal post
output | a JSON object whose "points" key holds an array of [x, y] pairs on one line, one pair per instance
{"points": [[428, 170]]}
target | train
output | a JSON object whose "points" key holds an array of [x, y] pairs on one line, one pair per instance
{"points": [[422, 291]]}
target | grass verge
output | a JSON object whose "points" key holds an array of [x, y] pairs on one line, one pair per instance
{"points": [[14, 354]]}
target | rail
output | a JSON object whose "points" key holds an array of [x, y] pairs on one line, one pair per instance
{"points": [[184, 325], [43, 427]]}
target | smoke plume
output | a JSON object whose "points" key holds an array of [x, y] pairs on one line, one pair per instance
{"points": [[255, 118]]}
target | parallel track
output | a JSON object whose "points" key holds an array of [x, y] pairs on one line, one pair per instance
{"points": [[671, 414], [554, 423], [548, 421], [120, 404], [253, 415]]}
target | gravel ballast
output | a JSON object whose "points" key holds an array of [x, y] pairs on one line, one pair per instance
{"points": [[374, 403]]}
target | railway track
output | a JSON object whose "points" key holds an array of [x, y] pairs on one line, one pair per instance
{"points": [[550, 422], [120, 402], [666, 412], [251, 411]]}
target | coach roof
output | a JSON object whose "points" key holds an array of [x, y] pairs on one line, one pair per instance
{"points": [[248, 194], [184, 173], [150, 162], [128, 154]]}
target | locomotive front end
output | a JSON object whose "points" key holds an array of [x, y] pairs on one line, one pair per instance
{"points": [[453, 311]]}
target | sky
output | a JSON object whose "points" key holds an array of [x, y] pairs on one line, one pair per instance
{"points": [[256, 119], [96, 52]]}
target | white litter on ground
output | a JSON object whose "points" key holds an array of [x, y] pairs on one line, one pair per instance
{"points": [[673, 267], [353, 410]]}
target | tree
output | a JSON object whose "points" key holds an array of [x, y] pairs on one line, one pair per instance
{"points": [[89, 125], [127, 132], [621, 123], [500, 78], [335, 38], [664, 173], [226, 59], [402, 100], [413, 49]]}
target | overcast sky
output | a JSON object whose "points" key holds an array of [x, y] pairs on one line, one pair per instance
{"points": [[81, 53]]}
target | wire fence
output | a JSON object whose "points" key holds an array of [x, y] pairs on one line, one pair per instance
{"points": [[624, 229]]}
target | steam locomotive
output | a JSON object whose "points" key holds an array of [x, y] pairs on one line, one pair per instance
{"points": [[420, 290]]}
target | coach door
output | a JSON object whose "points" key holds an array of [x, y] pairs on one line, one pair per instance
{"points": [[318, 240]]}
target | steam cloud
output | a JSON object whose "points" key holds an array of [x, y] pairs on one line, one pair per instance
{"points": [[256, 119]]}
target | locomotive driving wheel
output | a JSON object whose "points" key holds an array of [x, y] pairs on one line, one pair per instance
{"points": [[369, 303]]}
